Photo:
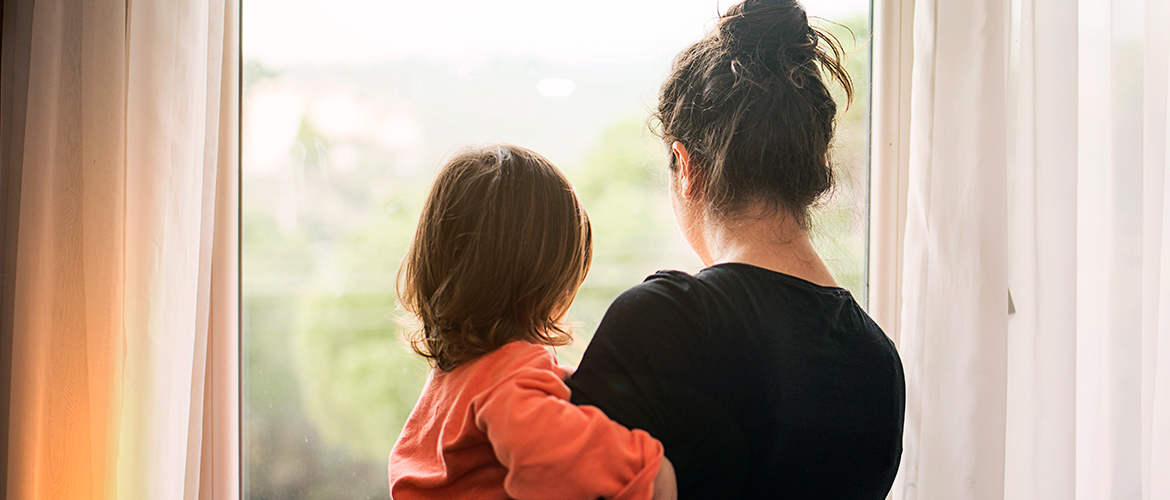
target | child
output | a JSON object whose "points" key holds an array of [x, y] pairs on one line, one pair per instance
{"points": [[500, 250]]}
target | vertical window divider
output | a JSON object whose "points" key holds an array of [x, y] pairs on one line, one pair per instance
{"points": [[891, 73]]}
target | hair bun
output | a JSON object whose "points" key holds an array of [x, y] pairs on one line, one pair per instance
{"points": [[769, 31], [751, 103]]}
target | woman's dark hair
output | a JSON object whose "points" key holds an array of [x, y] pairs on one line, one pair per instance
{"points": [[502, 246], [750, 103]]}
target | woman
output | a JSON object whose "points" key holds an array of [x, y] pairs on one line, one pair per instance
{"points": [[760, 375]]}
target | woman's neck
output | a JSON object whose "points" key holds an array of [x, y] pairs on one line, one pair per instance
{"points": [[775, 242]]}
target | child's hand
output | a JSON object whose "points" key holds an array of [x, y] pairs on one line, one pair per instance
{"points": [[665, 487]]}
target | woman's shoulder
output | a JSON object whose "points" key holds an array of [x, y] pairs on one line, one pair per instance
{"points": [[665, 291], [667, 309], [722, 283], [674, 295]]}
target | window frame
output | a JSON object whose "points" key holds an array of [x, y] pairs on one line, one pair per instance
{"points": [[891, 72]]}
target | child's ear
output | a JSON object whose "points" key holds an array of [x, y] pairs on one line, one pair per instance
{"points": [[688, 185]]}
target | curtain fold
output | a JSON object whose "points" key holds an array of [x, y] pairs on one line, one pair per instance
{"points": [[954, 310], [121, 229], [219, 477], [1082, 410], [1155, 343], [14, 55], [1041, 424]]}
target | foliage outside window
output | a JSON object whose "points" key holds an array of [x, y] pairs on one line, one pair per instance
{"points": [[338, 157]]}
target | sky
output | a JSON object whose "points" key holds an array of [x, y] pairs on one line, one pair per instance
{"points": [[284, 32]]}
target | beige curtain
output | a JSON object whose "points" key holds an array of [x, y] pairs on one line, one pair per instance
{"points": [[1041, 426], [119, 219], [1089, 371], [954, 306], [1069, 397]]}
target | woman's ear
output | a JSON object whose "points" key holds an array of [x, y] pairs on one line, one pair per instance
{"points": [[687, 183]]}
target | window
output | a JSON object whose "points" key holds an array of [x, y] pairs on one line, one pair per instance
{"points": [[349, 106]]}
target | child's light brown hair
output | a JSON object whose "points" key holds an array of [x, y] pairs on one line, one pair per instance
{"points": [[501, 248]]}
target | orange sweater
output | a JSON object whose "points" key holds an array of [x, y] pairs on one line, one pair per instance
{"points": [[502, 427]]}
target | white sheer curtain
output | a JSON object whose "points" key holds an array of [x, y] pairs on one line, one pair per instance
{"points": [[1070, 397], [120, 248], [954, 304], [1041, 430]]}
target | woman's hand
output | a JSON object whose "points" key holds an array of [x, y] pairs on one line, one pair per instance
{"points": [[566, 371], [665, 487]]}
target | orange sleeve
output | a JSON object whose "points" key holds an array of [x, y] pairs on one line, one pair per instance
{"points": [[555, 449]]}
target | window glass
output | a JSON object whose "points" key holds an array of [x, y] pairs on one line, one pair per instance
{"points": [[348, 108]]}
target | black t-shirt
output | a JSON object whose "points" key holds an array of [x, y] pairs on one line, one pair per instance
{"points": [[759, 384]]}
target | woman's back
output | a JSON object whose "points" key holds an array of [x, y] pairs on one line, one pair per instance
{"points": [[759, 384]]}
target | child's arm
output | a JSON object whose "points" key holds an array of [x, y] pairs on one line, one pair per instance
{"points": [[665, 486], [554, 449]]}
